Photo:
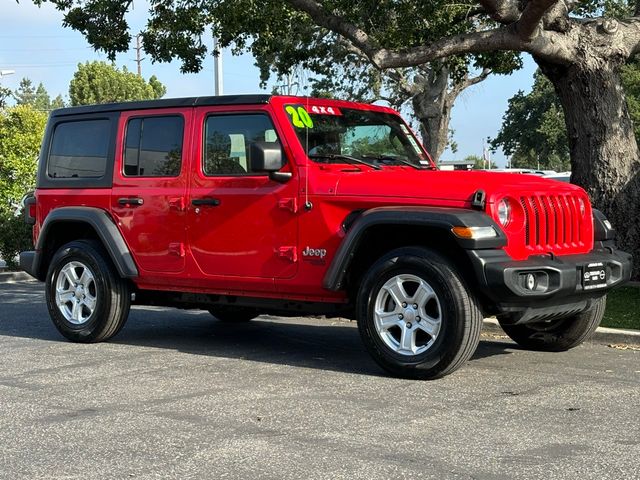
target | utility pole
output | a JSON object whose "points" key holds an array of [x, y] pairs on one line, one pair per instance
{"points": [[139, 59], [217, 67]]}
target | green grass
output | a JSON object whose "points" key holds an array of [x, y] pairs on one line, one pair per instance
{"points": [[623, 308]]}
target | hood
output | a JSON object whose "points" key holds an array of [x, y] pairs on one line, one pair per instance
{"points": [[458, 186]]}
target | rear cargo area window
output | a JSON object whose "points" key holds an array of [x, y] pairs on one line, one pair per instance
{"points": [[79, 149], [153, 146]]}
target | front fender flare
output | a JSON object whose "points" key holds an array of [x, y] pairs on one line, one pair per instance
{"points": [[435, 217]]}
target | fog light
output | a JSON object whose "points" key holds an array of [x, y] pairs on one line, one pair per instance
{"points": [[531, 281]]}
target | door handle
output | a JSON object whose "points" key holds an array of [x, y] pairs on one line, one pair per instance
{"points": [[133, 201], [211, 202]]}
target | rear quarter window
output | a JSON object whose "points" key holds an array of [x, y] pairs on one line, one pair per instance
{"points": [[79, 149]]}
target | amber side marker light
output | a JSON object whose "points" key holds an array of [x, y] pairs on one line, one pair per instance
{"points": [[475, 233]]}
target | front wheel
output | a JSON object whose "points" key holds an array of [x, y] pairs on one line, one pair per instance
{"points": [[560, 334], [415, 315]]}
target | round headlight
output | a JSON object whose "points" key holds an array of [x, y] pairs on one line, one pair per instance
{"points": [[504, 212]]}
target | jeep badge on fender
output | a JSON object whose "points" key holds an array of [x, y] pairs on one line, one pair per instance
{"points": [[198, 203], [314, 252]]}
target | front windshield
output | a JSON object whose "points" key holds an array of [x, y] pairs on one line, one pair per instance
{"points": [[346, 135]]}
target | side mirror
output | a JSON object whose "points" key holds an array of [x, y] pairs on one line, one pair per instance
{"points": [[268, 157]]}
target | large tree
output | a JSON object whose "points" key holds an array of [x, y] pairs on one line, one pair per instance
{"points": [[100, 82], [533, 128], [580, 46], [281, 39]]}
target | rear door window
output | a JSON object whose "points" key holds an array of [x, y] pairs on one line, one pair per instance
{"points": [[153, 146]]}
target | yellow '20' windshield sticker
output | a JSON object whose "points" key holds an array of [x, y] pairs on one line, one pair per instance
{"points": [[299, 117]]}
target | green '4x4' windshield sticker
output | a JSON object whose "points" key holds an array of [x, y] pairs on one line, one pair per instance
{"points": [[299, 117]]}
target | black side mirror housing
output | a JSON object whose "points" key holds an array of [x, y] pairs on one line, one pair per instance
{"points": [[266, 157]]}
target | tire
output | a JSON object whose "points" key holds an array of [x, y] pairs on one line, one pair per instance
{"points": [[560, 334], [396, 336], [228, 314], [87, 300]]}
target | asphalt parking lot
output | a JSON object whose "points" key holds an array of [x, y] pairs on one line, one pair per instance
{"points": [[179, 395]]}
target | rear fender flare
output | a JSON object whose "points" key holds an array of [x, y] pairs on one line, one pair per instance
{"points": [[104, 227]]}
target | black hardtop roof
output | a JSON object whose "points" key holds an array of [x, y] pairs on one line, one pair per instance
{"points": [[165, 103]]}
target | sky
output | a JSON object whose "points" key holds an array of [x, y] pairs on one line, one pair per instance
{"points": [[35, 45]]}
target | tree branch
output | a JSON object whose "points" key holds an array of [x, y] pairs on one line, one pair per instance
{"points": [[529, 23], [546, 45], [629, 32]]}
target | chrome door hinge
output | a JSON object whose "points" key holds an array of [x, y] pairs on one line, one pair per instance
{"points": [[290, 204], [289, 253], [177, 248]]}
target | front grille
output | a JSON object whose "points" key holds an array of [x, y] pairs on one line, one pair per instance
{"points": [[552, 222]]}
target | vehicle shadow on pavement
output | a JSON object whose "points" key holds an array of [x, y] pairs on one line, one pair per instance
{"points": [[324, 344], [319, 343]]}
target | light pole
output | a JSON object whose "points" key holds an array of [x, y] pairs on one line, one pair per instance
{"points": [[217, 67], [6, 73]]}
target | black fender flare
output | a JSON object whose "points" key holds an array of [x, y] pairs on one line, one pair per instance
{"points": [[106, 230], [442, 218]]}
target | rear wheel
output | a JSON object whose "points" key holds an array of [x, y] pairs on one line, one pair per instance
{"points": [[415, 315], [233, 314], [87, 300], [559, 334]]}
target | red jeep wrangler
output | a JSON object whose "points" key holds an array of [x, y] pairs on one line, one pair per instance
{"points": [[252, 204]]}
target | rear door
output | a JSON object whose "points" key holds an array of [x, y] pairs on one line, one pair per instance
{"points": [[150, 185]]}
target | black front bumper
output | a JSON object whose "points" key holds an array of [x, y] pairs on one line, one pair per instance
{"points": [[561, 291]]}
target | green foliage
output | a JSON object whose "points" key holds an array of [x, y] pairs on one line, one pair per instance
{"points": [[37, 97], [100, 82], [15, 237], [623, 305], [282, 38], [21, 131], [533, 131]]}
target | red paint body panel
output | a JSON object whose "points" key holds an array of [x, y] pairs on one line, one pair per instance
{"points": [[251, 244]]}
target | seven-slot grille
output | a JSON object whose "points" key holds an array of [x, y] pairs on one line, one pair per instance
{"points": [[552, 222]]}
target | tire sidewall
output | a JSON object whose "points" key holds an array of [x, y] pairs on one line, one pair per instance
{"points": [[84, 253], [429, 267]]}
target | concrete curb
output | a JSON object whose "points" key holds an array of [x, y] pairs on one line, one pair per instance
{"points": [[603, 335], [13, 277]]}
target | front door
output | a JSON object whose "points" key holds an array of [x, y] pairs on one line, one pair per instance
{"points": [[242, 224], [150, 185]]}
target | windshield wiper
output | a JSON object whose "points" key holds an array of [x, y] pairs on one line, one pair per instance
{"points": [[393, 159], [347, 158]]}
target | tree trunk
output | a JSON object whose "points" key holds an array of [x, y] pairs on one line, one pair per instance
{"points": [[604, 153], [433, 110]]}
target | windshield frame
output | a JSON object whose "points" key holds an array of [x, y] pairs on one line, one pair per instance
{"points": [[304, 114]]}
